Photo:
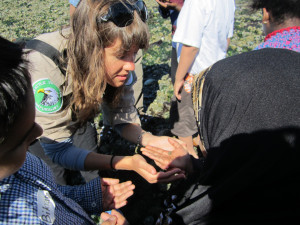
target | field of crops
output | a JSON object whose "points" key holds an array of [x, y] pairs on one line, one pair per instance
{"points": [[24, 18]]}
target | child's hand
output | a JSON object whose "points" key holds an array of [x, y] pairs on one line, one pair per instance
{"points": [[115, 218], [115, 194]]}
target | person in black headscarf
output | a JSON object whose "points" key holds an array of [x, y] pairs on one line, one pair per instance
{"points": [[247, 108]]}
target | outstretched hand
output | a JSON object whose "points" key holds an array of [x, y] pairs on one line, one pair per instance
{"points": [[115, 194], [115, 218], [163, 142], [178, 158], [149, 173]]}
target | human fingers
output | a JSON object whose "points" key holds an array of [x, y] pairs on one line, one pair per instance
{"points": [[172, 178], [109, 181], [139, 163], [150, 178], [177, 89], [120, 189], [182, 143], [154, 149], [177, 94], [122, 196], [108, 219], [157, 153], [171, 175], [112, 193], [120, 200], [120, 218], [177, 144], [159, 160]]}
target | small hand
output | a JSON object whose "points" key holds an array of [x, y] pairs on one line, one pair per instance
{"points": [[115, 218], [178, 158], [149, 173], [163, 142], [115, 194], [178, 85]]}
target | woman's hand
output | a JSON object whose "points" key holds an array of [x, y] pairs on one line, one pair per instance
{"points": [[115, 218], [149, 173], [161, 142], [178, 158], [115, 194]]}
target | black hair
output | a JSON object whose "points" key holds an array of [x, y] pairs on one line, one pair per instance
{"points": [[279, 9], [14, 84]]}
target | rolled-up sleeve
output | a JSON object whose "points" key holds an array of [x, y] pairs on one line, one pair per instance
{"points": [[65, 153]]}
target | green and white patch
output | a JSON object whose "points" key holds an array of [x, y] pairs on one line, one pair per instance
{"points": [[48, 98]]}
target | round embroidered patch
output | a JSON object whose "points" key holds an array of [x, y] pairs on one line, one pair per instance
{"points": [[48, 98]]}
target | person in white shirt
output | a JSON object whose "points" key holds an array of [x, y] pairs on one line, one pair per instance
{"points": [[202, 37]]}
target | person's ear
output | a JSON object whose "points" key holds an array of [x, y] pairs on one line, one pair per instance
{"points": [[266, 16]]}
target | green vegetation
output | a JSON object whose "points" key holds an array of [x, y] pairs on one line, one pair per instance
{"points": [[24, 18], [28, 18]]}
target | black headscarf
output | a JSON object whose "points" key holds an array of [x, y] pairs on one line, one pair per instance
{"points": [[249, 92], [250, 122]]}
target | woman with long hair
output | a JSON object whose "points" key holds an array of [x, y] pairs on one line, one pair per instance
{"points": [[102, 42]]}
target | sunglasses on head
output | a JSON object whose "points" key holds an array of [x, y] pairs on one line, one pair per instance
{"points": [[122, 14]]}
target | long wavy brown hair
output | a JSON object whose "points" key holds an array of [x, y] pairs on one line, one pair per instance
{"points": [[88, 38]]}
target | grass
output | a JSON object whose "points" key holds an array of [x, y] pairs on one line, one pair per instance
{"points": [[29, 18]]}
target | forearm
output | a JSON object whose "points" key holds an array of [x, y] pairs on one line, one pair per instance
{"points": [[65, 153], [96, 161], [187, 57], [132, 132], [71, 157]]}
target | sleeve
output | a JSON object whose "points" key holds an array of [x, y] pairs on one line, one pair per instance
{"points": [[88, 196], [48, 83], [230, 33], [191, 23], [65, 153]]}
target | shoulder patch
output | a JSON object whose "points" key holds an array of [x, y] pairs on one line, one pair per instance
{"points": [[47, 96]]}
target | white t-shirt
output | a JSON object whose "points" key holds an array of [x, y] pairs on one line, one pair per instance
{"points": [[205, 24]]}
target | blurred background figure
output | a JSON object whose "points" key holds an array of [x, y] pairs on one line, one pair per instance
{"points": [[281, 23], [170, 9], [68, 97], [202, 37]]}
